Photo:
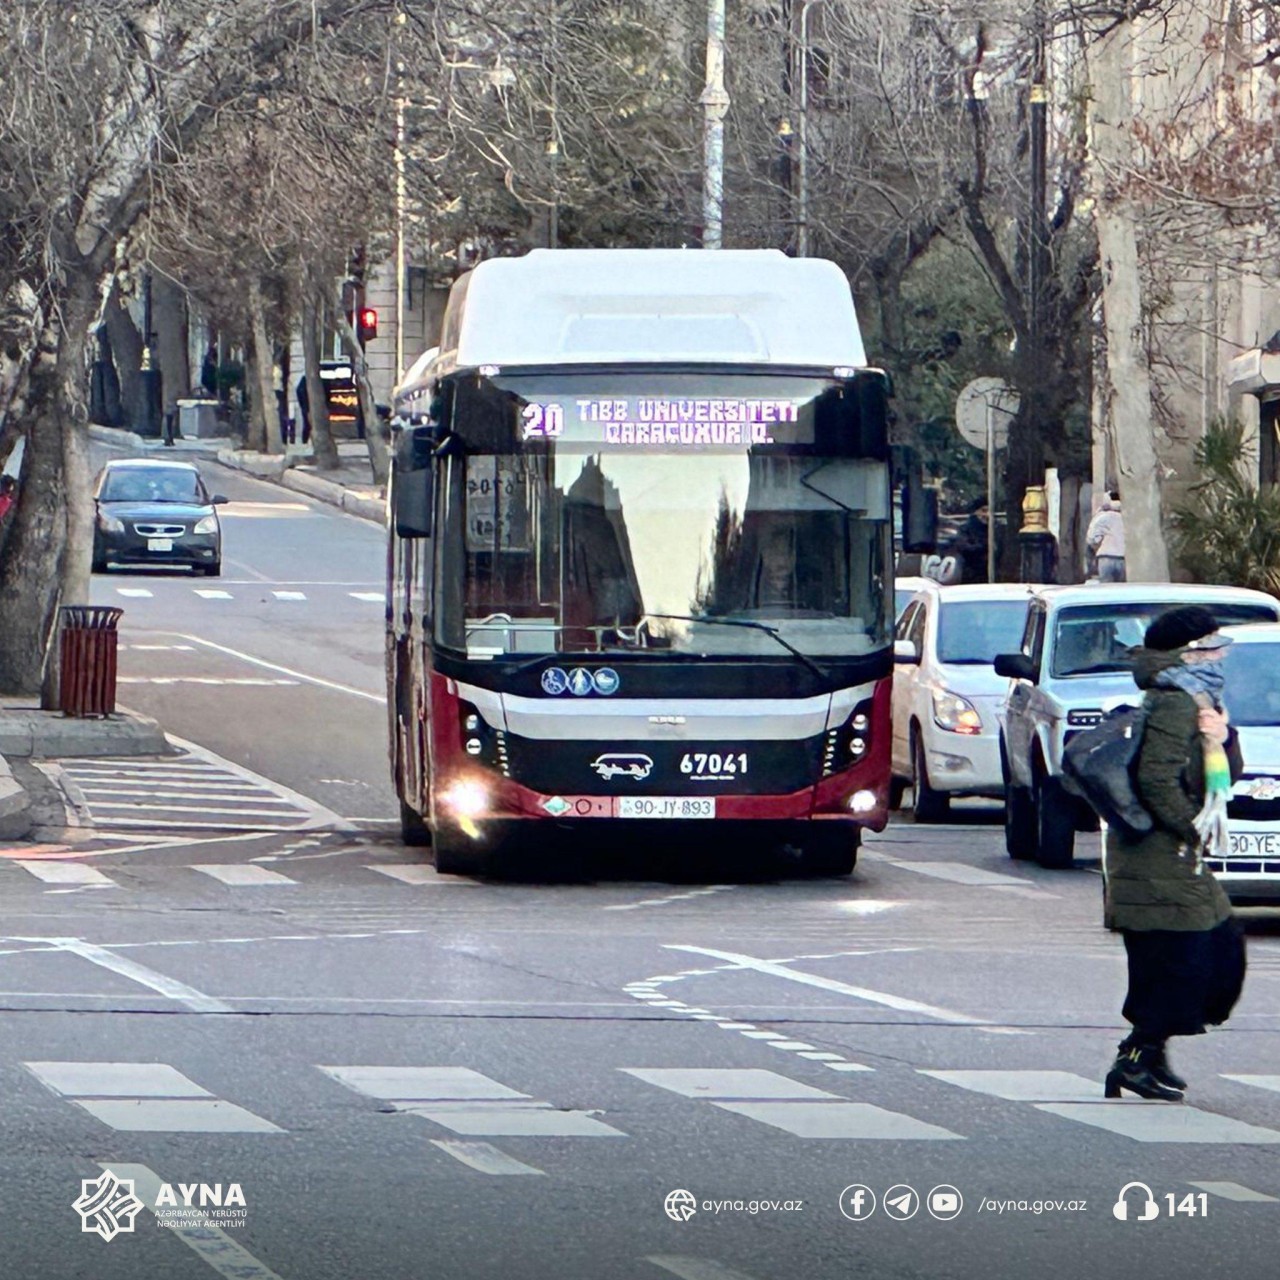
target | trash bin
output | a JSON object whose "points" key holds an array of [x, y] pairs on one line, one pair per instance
{"points": [[87, 675], [198, 419]]}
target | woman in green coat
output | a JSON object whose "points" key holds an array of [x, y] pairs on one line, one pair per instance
{"points": [[1185, 948]]}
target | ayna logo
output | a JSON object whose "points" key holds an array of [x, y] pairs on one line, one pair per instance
{"points": [[107, 1205]]}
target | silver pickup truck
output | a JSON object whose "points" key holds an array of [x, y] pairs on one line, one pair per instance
{"points": [[1072, 666]]}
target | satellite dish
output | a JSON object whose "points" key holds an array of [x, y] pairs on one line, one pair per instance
{"points": [[983, 398]]}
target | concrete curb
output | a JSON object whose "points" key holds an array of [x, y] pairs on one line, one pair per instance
{"points": [[314, 487], [266, 466], [49, 735], [15, 805], [208, 447]]}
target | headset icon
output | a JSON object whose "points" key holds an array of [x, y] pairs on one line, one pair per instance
{"points": [[1121, 1207]]}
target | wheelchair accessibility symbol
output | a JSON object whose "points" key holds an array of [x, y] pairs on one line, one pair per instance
{"points": [[1149, 1209]]}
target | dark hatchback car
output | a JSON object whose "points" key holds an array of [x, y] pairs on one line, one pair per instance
{"points": [[154, 512]]}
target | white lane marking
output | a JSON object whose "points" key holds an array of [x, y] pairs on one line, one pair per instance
{"points": [[498, 1120], [116, 1080], [957, 872], [163, 806], [839, 1120], [159, 982], [900, 1003], [695, 1268], [209, 593], [416, 873], [822, 1056], [186, 824], [237, 874], [868, 906], [794, 1045], [675, 897], [484, 1157], [1024, 1086], [1258, 1082], [372, 597], [1160, 1122], [254, 681], [274, 666], [290, 595], [727, 1083], [159, 648], [422, 1084], [139, 593], [320, 815], [1234, 1191], [67, 873], [847, 1066], [160, 786], [175, 1115], [213, 1245]]}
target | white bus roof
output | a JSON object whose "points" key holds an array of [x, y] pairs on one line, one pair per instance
{"points": [[629, 306]]}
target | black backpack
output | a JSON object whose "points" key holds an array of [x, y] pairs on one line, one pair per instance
{"points": [[1101, 761]]}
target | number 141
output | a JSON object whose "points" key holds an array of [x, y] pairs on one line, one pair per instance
{"points": [[1188, 1204]]}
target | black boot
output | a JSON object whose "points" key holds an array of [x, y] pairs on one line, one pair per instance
{"points": [[1163, 1072], [1132, 1071]]}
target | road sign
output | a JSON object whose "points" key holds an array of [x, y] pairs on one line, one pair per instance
{"points": [[981, 399]]}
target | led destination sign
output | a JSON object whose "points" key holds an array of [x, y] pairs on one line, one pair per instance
{"points": [[647, 420]]}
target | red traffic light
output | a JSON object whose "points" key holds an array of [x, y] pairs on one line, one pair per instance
{"points": [[368, 326]]}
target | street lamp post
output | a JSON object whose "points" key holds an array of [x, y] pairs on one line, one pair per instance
{"points": [[802, 139], [715, 102]]}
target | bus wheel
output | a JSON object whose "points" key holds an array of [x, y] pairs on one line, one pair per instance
{"points": [[413, 830], [457, 854], [830, 849]]}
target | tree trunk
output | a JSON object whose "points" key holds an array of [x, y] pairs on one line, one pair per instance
{"points": [[322, 445], [1127, 392], [169, 304], [126, 352], [45, 558], [264, 430]]}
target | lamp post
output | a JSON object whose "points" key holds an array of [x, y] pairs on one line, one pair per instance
{"points": [[802, 138], [715, 103], [151, 394]]}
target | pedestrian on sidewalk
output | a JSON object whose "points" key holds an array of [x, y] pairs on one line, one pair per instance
{"points": [[303, 397], [1185, 948], [1105, 537]]}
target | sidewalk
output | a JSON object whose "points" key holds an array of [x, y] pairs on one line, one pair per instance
{"points": [[27, 733], [350, 487]]}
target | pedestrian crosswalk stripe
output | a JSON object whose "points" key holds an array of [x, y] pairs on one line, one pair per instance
{"points": [[67, 873], [1163, 1123], [207, 593], [371, 597], [501, 1120], [1024, 1086], [1234, 1191], [720, 1083], [175, 1115], [839, 1120], [422, 1084], [484, 1157], [1258, 1082], [417, 873], [252, 681], [290, 595], [236, 874], [133, 592], [696, 1268], [116, 1080], [794, 1045]]}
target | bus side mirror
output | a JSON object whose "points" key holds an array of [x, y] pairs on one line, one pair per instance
{"points": [[413, 482]]}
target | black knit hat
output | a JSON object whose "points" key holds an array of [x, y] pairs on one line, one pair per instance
{"points": [[1177, 628]]}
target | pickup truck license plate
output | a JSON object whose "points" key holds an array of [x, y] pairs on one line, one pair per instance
{"points": [[665, 807], [159, 544]]}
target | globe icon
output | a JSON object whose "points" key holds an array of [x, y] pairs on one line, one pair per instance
{"points": [[680, 1206]]}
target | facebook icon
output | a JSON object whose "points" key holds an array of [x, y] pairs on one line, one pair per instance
{"points": [[857, 1202]]}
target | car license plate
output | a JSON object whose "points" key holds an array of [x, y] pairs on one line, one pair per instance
{"points": [[1254, 844], [159, 544], [665, 807]]}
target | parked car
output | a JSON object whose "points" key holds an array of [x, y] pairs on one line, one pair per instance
{"points": [[946, 694], [1251, 872], [1073, 664], [155, 512]]}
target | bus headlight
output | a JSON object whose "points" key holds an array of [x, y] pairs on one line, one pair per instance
{"points": [[862, 801], [466, 800]]}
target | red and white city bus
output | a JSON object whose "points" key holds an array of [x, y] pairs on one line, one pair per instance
{"points": [[639, 557]]}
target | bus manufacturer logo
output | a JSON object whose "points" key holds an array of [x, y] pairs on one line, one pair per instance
{"points": [[554, 681], [620, 766]]}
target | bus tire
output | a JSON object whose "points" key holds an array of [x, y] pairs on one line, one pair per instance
{"points": [[413, 830], [456, 853], [830, 849]]}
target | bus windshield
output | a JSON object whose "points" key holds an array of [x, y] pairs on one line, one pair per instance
{"points": [[607, 513]]}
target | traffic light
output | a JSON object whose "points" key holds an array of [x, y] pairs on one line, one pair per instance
{"points": [[368, 324]]}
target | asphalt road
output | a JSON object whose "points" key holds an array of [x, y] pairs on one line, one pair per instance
{"points": [[409, 1076]]}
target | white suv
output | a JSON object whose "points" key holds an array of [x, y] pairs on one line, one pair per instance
{"points": [[946, 694], [1072, 665]]}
